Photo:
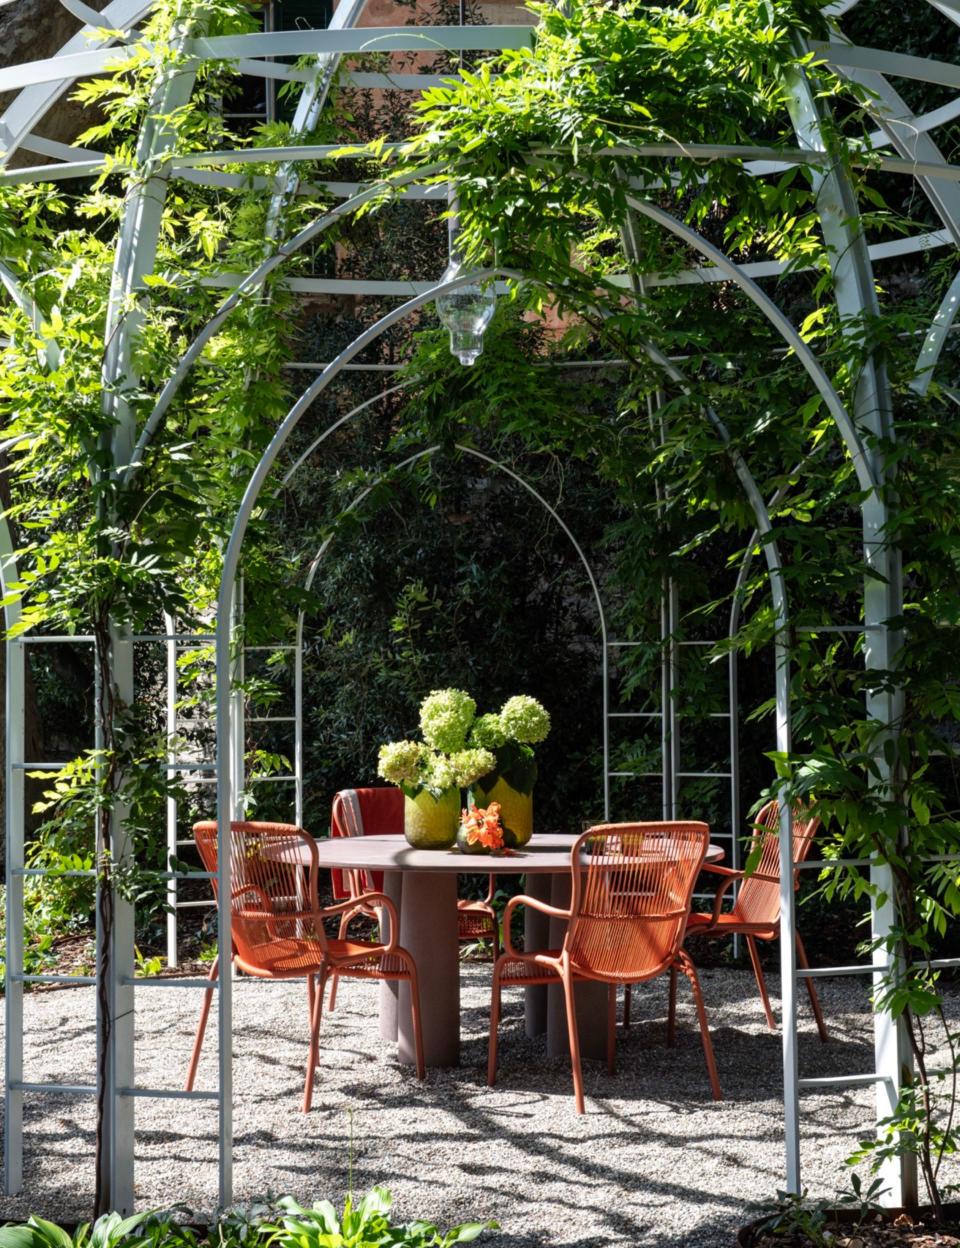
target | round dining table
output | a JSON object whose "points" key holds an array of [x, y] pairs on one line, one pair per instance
{"points": [[423, 886]]}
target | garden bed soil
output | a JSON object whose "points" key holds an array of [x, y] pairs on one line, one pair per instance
{"points": [[893, 1230]]}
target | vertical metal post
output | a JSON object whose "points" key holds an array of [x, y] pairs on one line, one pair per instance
{"points": [[120, 1058], [13, 1001], [856, 299], [672, 708], [666, 683], [298, 722], [788, 928], [227, 800], [173, 957]]}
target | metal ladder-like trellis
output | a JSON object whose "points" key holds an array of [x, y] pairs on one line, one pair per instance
{"points": [[199, 772], [670, 718]]}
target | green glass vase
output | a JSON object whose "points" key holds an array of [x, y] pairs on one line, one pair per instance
{"points": [[431, 822]]}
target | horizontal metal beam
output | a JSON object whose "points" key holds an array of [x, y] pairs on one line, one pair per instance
{"points": [[281, 43], [59, 1089], [896, 64], [168, 1094]]}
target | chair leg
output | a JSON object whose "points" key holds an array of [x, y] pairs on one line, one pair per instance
{"points": [[672, 1009], [612, 1029], [574, 1036], [335, 978], [812, 991], [494, 1026], [201, 1026], [311, 993], [688, 968], [627, 998], [314, 1050], [761, 982], [416, 1017]]}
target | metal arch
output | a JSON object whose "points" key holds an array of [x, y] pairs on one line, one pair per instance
{"points": [[258, 276], [551, 511], [225, 618], [35, 101], [249, 284], [861, 462], [936, 338], [308, 110], [856, 297], [135, 256], [898, 123], [83, 13], [31, 309]]}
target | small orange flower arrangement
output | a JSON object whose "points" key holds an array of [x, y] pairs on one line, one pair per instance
{"points": [[481, 831]]}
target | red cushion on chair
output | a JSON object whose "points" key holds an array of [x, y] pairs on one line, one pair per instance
{"points": [[381, 810]]}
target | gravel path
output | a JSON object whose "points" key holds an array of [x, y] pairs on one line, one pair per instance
{"points": [[653, 1161]]}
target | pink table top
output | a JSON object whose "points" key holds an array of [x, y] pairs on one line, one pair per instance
{"points": [[546, 853]]}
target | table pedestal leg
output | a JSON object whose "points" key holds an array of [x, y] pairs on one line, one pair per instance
{"points": [[392, 886], [591, 997], [428, 931], [536, 935]]}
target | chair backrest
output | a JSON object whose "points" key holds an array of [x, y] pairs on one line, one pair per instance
{"points": [[758, 898], [364, 812], [632, 885], [273, 887]]}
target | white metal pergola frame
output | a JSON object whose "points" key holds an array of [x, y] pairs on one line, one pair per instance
{"points": [[41, 84]]}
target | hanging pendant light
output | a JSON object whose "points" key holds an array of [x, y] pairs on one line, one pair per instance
{"points": [[465, 312]]}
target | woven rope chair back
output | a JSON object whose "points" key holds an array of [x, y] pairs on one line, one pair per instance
{"points": [[758, 900], [631, 894], [273, 894], [347, 820]]}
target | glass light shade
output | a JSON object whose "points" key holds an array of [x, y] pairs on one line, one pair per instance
{"points": [[465, 312]]}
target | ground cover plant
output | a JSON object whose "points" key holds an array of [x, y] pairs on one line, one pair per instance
{"points": [[282, 1223]]}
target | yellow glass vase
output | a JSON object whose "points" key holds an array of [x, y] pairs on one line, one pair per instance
{"points": [[431, 822]]}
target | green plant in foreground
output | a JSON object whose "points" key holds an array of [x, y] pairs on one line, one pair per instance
{"points": [[365, 1226], [791, 1215], [139, 1231]]}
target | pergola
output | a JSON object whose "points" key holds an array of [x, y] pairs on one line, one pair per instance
{"points": [[39, 85]]}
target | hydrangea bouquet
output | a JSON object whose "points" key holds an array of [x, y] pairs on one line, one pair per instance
{"points": [[443, 760], [510, 734], [432, 772]]}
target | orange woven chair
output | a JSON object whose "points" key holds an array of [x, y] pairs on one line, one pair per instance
{"points": [[371, 812], [756, 911], [278, 927], [631, 889]]}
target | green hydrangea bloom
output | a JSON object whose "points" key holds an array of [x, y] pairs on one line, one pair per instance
{"points": [[471, 764], [439, 772], [445, 719], [524, 719], [400, 762], [487, 732]]}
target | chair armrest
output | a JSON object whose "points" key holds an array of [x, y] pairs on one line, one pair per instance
{"points": [[353, 905], [536, 904], [728, 878], [714, 869]]}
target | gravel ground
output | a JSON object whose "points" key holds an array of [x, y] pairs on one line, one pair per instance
{"points": [[653, 1161]]}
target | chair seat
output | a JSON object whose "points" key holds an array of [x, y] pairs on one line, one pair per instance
{"points": [[294, 958], [524, 970], [728, 922]]}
